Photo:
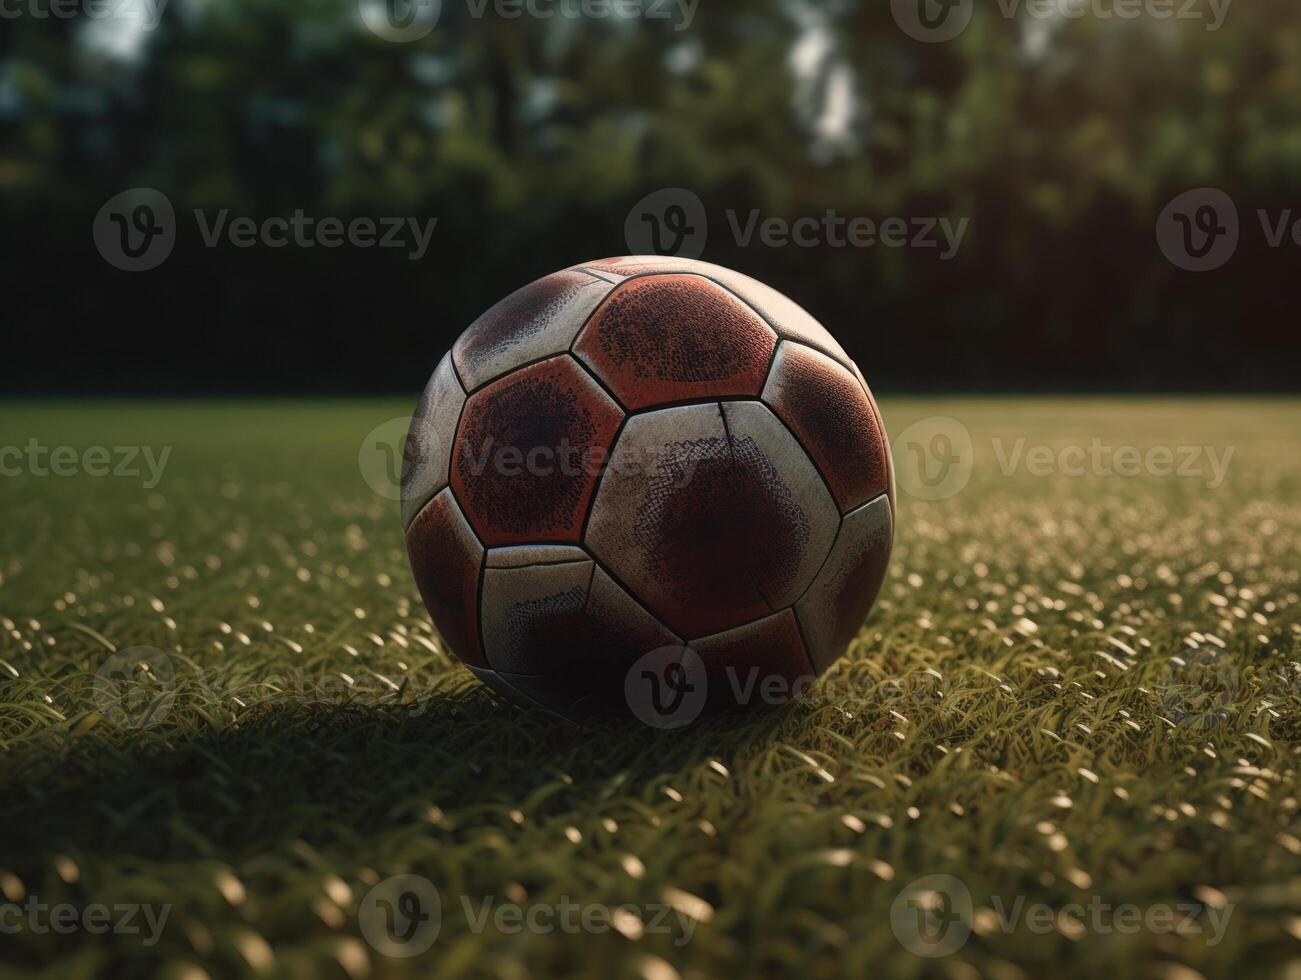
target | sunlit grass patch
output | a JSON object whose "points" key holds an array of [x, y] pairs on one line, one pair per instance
{"points": [[1077, 693]]}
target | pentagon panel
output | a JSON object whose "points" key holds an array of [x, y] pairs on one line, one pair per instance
{"points": [[785, 498], [839, 599], [528, 453], [568, 628]]}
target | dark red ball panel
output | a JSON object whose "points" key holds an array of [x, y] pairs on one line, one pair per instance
{"points": [[528, 453], [757, 663], [661, 339], [828, 410], [445, 559], [835, 605]]}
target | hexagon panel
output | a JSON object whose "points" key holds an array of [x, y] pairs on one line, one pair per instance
{"points": [[428, 449], [711, 529], [532, 323], [784, 494]]}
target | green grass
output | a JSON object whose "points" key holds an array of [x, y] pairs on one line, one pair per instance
{"points": [[1010, 715]]}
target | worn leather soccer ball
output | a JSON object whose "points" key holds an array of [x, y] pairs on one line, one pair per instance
{"points": [[646, 454]]}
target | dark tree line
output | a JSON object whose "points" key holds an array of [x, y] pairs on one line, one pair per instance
{"points": [[1059, 142]]}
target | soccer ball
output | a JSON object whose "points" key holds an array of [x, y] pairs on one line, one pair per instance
{"points": [[639, 455]]}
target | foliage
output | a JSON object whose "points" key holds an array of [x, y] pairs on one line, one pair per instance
{"points": [[530, 138]]}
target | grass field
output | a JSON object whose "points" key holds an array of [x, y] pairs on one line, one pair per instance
{"points": [[1076, 692]]}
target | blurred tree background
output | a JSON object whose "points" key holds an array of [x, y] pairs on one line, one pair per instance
{"points": [[530, 138]]}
